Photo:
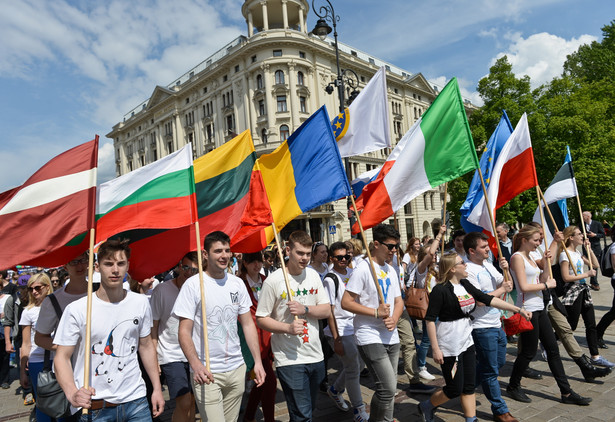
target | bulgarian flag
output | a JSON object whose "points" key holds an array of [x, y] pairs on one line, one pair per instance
{"points": [[437, 148], [157, 196]]}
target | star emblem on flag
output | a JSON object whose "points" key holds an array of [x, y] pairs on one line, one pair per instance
{"points": [[340, 124]]}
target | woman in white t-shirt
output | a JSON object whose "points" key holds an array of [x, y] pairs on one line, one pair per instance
{"points": [[577, 296], [410, 259], [320, 259], [530, 284], [32, 356]]}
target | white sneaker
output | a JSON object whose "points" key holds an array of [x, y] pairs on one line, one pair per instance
{"points": [[423, 373], [337, 399], [360, 415]]}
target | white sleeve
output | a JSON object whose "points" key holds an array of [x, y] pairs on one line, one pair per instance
{"points": [[186, 302], [329, 285]]}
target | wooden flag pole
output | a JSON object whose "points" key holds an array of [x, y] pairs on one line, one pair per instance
{"points": [[556, 229], [282, 263], [202, 285], [444, 216], [88, 317], [544, 234], [492, 220], [369, 254], [587, 249]]}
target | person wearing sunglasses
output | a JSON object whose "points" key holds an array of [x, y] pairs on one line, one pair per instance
{"points": [[375, 323], [32, 356]]}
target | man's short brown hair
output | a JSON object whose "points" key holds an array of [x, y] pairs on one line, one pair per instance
{"points": [[299, 237], [111, 247]]}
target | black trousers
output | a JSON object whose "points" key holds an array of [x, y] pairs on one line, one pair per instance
{"points": [[579, 308], [529, 344], [607, 318]]}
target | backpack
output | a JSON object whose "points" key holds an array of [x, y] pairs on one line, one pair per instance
{"points": [[606, 266], [336, 281]]}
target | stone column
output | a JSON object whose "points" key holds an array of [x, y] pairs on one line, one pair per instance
{"points": [[293, 100], [250, 24], [250, 102], [270, 100], [285, 13], [302, 20], [265, 17]]}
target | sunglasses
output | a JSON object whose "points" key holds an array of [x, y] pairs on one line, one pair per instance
{"points": [[341, 257], [391, 246], [37, 288], [187, 268], [55, 280], [79, 261], [461, 263]]}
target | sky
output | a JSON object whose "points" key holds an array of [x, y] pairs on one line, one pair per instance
{"points": [[71, 69]]}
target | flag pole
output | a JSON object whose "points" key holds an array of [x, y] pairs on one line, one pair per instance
{"points": [[202, 288], [444, 216], [544, 234], [284, 269], [369, 254], [556, 229], [88, 317], [492, 220]]}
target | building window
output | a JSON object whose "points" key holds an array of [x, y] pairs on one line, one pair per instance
{"points": [[396, 91], [170, 147], [259, 81], [209, 132], [300, 78], [130, 165], [425, 201], [253, 59], [155, 154], [408, 208], [261, 108], [362, 78], [281, 103], [284, 133], [264, 135], [277, 53], [302, 54], [225, 78], [236, 68], [187, 100], [302, 105], [230, 124], [419, 98], [190, 118], [279, 77], [410, 228], [205, 90], [168, 129]]}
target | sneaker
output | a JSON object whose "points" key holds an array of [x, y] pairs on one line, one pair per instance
{"points": [[324, 386], [28, 400], [5, 386], [32, 417], [420, 388], [532, 374], [359, 414], [517, 394], [337, 399], [600, 361], [574, 398], [595, 287], [425, 415], [602, 344], [423, 373]]}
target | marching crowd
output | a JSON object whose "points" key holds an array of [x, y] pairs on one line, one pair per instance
{"points": [[281, 315]]}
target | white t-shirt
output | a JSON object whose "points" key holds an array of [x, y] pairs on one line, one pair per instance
{"points": [[343, 318], [486, 279], [3, 299], [612, 252], [162, 301], [225, 299], [454, 337], [575, 265], [255, 286], [29, 316], [306, 289], [367, 329], [532, 301], [48, 320], [116, 330], [321, 269]]}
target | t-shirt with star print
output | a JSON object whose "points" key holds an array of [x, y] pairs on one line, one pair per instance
{"points": [[367, 329], [225, 300], [307, 289]]}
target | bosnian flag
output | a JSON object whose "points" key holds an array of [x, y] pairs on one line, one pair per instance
{"points": [[437, 148], [364, 124], [513, 173], [52, 208]]}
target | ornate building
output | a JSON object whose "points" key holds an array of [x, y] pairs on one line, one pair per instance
{"points": [[270, 82]]}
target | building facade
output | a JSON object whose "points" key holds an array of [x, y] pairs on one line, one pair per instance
{"points": [[270, 82]]}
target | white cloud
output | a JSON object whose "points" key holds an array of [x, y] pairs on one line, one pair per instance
{"points": [[540, 56], [106, 162]]}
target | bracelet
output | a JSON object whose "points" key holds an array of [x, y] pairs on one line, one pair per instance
{"points": [[306, 310], [376, 313]]}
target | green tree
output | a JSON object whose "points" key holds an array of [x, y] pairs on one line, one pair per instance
{"points": [[596, 61]]}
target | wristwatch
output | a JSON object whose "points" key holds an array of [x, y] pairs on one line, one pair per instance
{"points": [[306, 310]]}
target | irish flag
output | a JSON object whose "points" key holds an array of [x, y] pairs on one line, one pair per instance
{"points": [[437, 148], [159, 195]]}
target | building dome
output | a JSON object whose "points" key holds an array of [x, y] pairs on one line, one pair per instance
{"points": [[265, 15]]}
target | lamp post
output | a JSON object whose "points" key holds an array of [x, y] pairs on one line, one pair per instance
{"points": [[322, 29]]}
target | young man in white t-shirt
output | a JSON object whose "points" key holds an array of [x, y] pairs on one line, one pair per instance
{"points": [[375, 323], [293, 317], [173, 364], [121, 326], [218, 393], [340, 334], [489, 338]]}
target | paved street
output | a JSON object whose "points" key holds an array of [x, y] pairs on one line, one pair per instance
{"points": [[545, 404]]}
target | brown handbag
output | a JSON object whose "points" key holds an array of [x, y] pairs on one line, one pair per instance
{"points": [[417, 301]]}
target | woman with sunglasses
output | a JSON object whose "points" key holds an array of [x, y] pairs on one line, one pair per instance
{"points": [[577, 296], [32, 356], [530, 284], [452, 301]]}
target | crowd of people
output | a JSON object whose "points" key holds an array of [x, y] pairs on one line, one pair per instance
{"points": [[281, 315]]}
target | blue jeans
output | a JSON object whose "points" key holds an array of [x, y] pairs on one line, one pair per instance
{"points": [[381, 360], [33, 369], [300, 385], [423, 348], [490, 344], [133, 411]]}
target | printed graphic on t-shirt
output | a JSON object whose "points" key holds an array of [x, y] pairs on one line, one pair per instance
{"points": [[383, 279], [115, 351], [466, 302], [223, 321]]}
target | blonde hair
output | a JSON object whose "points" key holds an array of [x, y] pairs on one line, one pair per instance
{"points": [[568, 233], [447, 263], [45, 281], [526, 232]]}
